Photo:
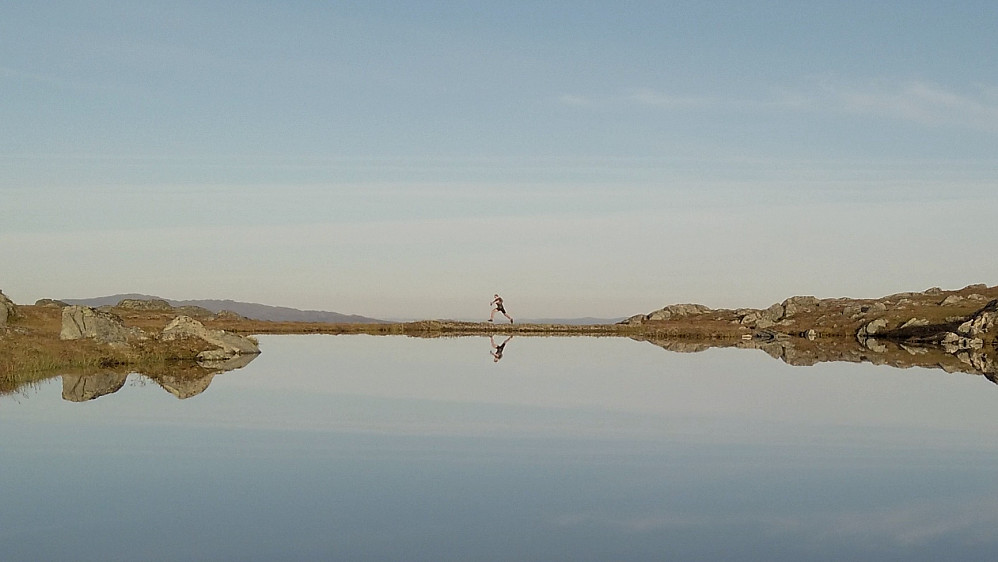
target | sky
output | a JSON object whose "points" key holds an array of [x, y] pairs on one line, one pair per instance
{"points": [[411, 159]]}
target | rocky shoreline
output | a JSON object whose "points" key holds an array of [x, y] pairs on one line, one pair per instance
{"points": [[955, 330], [95, 349]]}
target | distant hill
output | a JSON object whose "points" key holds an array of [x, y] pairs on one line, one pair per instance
{"points": [[248, 309]]}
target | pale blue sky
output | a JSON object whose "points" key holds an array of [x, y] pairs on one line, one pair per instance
{"points": [[399, 159]]}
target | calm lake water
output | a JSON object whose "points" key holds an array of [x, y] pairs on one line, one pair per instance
{"points": [[394, 448]]}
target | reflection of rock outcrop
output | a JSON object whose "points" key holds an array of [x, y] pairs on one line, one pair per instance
{"points": [[678, 346], [80, 388], [231, 364], [182, 379], [195, 377], [938, 329], [801, 351], [183, 387]]}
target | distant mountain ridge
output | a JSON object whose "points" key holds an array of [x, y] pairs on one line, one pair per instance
{"points": [[250, 310]]}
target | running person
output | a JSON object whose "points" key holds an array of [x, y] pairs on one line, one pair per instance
{"points": [[497, 303]]}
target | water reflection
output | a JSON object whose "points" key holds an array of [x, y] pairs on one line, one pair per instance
{"points": [[187, 379], [804, 352], [497, 350], [81, 388], [183, 379], [395, 448]]}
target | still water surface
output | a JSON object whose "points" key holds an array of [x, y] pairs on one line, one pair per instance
{"points": [[393, 448]]}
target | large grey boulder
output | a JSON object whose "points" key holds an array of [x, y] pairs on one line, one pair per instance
{"points": [[7, 309], [228, 345], [79, 322]]}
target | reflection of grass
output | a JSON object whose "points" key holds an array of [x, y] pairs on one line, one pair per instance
{"points": [[31, 351], [34, 358]]}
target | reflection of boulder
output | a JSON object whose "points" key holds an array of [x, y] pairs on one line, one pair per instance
{"points": [[182, 379], [80, 388], [231, 364], [195, 377], [228, 345], [80, 322], [184, 387]]}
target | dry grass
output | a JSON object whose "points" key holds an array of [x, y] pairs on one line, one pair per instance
{"points": [[30, 349]]}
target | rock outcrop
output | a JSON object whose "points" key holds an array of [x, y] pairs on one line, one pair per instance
{"points": [[51, 303], [144, 304], [795, 305], [8, 309], [194, 312], [227, 345], [982, 323], [934, 328], [127, 306], [761, 319], [668, 313], [79, 322]]}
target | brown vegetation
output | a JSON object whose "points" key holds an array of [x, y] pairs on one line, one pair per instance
{"points": [[32, 350], [801, 330]]}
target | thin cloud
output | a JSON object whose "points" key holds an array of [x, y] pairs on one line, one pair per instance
{"points": [[917, 102], [575, 100], [641, 97], [923, 103], [649, 97]]}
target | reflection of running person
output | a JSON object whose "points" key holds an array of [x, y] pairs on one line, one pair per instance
{"points": [[497, 349], [497, 303]]}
